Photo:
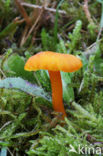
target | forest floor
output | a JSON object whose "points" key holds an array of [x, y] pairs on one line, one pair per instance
{"points": [[28, 124]]}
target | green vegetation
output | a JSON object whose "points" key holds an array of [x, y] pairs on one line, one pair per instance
{"points": [[28, 125]]}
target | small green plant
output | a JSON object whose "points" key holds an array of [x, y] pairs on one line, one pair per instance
{"points": [[7, 5], [75, 36]]}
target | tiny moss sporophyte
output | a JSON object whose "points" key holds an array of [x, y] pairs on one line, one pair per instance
{"points": [[54, 63]]}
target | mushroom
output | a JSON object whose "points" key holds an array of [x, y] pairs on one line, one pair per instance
{"points": [[54, 63]]}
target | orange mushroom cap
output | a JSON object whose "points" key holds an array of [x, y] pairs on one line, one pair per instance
{"points": [[53, 61]]}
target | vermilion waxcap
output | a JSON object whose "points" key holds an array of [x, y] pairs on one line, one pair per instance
{"points": [[53, 61]]}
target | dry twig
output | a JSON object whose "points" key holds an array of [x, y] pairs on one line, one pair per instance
{"points": [[32, 28], [40, 7], [86, 10], [23, 12], [24, 35]]}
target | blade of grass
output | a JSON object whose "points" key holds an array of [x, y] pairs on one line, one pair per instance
{"points": [[56, 22]]}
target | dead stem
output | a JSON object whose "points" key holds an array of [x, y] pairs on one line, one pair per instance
{"points": [[2, 73], [86, 10], [18, 20], [23, 12], [40, 7], [24, 35], [34, 25]]}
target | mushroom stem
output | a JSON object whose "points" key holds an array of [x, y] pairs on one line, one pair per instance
{"points": [[57, 93]]}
